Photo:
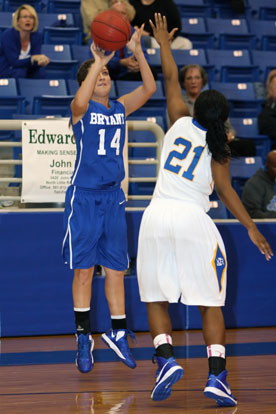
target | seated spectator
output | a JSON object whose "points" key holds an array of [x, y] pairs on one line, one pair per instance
{"points": [[193, 78], [123, 65], [90, 8], [145, 10], [267, 116], [259, 193], [20, 49]]}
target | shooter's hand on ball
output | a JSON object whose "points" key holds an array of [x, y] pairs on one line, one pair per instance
{"points": [[134, 45], [101, 55]]}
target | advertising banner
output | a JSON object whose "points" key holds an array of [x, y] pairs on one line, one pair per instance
{"points": [[48, 159]]}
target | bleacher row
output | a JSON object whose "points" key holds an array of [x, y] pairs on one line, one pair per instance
{"points": [[207, 23]]}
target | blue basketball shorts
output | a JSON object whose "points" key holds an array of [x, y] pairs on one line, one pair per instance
{"points": [[95, 229]]}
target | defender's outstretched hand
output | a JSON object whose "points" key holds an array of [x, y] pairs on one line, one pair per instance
{"points": [[260, 241], [160, 29]]}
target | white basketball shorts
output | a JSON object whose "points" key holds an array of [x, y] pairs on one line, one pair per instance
{"points": [[181, 255]]}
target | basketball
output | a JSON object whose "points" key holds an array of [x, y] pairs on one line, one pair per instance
{"points": [[110, 30]]}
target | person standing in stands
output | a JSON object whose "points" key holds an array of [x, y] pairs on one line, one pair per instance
{"points": [[90, 8], [259, 193], [94, 217], [20, 48], [144, 12], [181, 254], [123, 65]]}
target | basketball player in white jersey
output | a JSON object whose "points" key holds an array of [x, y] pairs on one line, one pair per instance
{"points": [[181, 254]]}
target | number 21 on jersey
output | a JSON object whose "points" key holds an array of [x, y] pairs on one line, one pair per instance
{"points": [[181, 155], [115, 142]]}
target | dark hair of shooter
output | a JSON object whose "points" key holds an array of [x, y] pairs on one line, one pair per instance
{"points": [[83, 70], [211, 111]]}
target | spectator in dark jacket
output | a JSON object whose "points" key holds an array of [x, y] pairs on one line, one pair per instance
{"points": [[259, 193], [267, 116], [145, 10], [20, 49]]}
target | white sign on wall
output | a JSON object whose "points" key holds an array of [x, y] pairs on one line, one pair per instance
{"points": [[48, 159]]}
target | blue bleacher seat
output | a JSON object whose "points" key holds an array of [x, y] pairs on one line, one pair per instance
{"points": [[80, 52], [218, 210], [182, 58], [10, 100], [193, 56], [195, 29], [12, 5], [248, 128], [225, 11], [231, 33], [233, 65], [10, 103], [142, 170], [61, 65], [5, 20], [265, 60], [73, 86], [45, 96], [265, 31], [241, 169], [155, 106], [59, 28], [63, 6], [241, 97], [192, 8], [143, 136], [263, 9]]}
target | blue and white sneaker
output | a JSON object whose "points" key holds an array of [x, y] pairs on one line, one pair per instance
{"points": [[116, 339], [84, 359], [218, 389], [168, 373]]}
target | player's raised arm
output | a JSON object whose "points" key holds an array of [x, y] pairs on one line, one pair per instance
{"points": [[176, 107], [139, 96], [83, 95], [232, 201]]}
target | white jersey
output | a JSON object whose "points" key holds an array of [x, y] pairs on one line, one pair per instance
{"points": [[185, 166]]}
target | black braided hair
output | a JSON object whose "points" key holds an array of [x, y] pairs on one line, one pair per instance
{"points": [[211, 111]]}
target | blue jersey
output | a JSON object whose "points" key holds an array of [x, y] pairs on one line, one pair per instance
{"points": [[100, 138]]}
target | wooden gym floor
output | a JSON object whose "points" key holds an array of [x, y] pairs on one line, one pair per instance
{"points": [[38, 375]]}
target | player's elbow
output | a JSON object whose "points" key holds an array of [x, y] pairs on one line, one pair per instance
{"points": [[78, 107], [151, 89]]}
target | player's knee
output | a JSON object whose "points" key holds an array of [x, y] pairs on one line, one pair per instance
{"points": [[84, 276]]}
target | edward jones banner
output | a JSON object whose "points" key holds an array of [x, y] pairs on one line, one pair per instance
{"points": [[48, 159]]}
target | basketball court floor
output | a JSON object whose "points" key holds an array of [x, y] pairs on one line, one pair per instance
{"points": [[38, 375]]}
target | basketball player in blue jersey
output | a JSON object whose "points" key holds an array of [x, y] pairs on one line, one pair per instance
{"points": [[94, 217], [181, 254]]}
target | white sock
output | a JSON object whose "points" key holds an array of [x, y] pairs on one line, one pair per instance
{"points": [[118, 316], [216, 350], [162, 339]]}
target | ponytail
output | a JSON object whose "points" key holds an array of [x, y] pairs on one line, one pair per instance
{"points": [[211, 111]]}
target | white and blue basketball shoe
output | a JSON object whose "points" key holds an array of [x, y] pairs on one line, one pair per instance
{"points": [[168, 373], [116, 339], [218, 389]]}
